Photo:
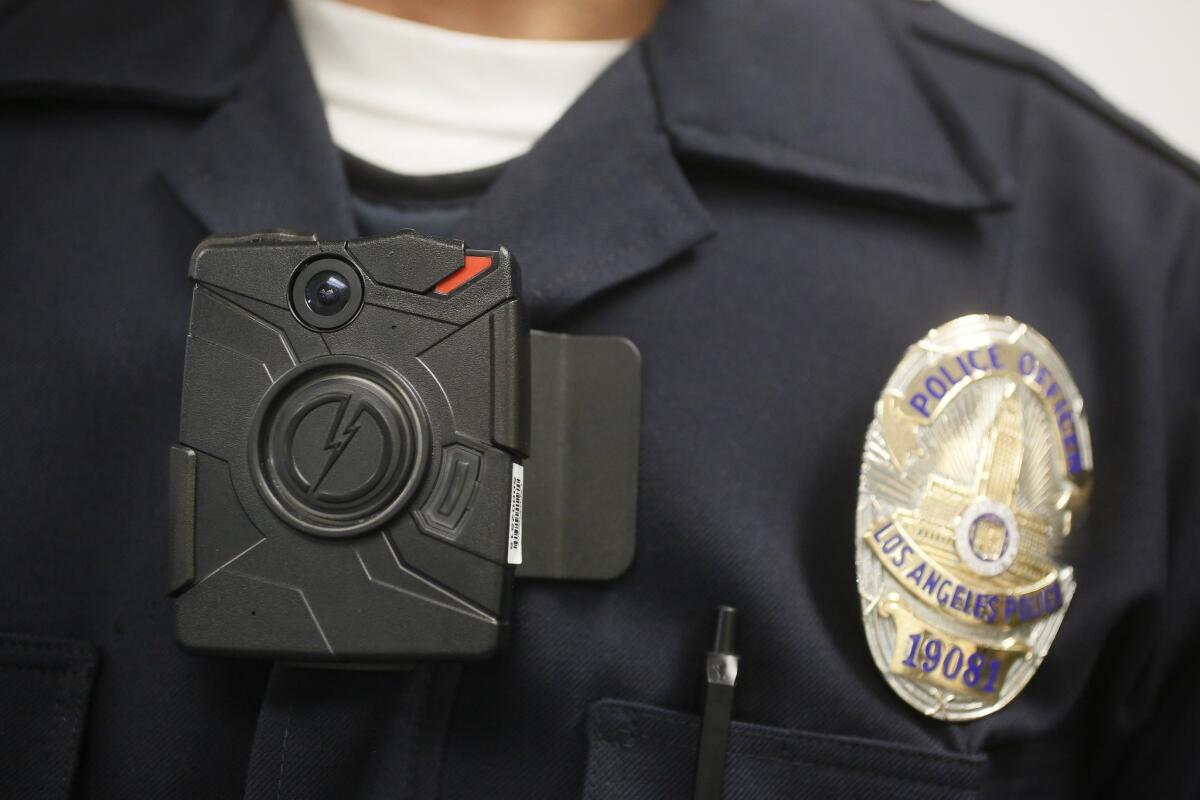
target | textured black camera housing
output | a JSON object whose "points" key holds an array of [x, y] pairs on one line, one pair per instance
{"points": [[343, 481]]}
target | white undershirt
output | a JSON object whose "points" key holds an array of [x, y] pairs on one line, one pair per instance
{"points": [[421, 100]]}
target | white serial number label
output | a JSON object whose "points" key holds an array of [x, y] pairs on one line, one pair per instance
{"points": [[514, 514]]}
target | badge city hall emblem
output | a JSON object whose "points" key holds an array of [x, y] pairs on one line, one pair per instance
{"points": [[976, 465]]}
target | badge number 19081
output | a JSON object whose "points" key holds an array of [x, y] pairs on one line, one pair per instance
{"points": [[976, 466]]}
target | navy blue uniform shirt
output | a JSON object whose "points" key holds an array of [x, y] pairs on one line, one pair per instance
{"points": [[772, 199]]}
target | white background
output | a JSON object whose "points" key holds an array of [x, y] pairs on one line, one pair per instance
{"points": [[1142, 55]]}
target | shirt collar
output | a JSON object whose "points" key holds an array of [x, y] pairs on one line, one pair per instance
{"points": [[179, 53], [832, 92]]}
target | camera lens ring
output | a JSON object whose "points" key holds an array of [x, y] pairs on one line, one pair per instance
{"points": [[326, 293]]}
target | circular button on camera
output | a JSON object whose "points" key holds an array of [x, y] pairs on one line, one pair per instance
{"points": [[327, 293], [340, 447]]}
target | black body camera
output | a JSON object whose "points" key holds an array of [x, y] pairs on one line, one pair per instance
{"points": [[349, 484]]}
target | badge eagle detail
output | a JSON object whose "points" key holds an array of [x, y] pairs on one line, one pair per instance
{"points": [[976, 466]]}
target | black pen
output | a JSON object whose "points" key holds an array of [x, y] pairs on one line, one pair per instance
{"points": [[720, 676]]}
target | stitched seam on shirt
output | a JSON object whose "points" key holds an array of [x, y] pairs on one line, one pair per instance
{"points": [[881, 747], [810, 762], [774, 148], [1012, 227], [78, 714], [417, 735], [422, 205], [53, 647], [287, 726], [56, 672], [675, 213], [671, 204], [1070, 89], [856, 770], [964, 761], [852, 769]]}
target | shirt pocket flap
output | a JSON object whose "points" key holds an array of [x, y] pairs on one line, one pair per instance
{"points": [[45, 686], [638, 751]]}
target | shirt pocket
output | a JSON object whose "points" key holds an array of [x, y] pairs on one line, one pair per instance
{"points": [[637, 751], [45, 688]]}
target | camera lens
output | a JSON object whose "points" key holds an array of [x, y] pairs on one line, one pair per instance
{"points": [[327, 293]]}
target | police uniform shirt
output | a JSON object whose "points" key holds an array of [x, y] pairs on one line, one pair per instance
{"points": [[772, 200]]}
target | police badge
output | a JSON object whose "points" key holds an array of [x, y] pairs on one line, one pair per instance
{"points": [[976, 465]]}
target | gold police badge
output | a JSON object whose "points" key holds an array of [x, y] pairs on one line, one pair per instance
{"points": [[975, 467]]}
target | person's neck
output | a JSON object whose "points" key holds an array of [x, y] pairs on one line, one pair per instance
{"points": [[564, 20]]}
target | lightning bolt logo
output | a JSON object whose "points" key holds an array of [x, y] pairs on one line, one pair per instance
{"points": [[339, 437]]}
